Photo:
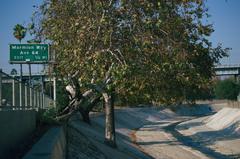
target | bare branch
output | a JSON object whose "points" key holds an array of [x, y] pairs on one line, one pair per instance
{"points": [[71, 91], [93, 103], [88, 93], [65, 116], [120, 53], [113, 54]]}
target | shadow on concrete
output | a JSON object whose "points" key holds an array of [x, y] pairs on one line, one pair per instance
{"points": [[92, 137], [159, 142], [188, 141]]}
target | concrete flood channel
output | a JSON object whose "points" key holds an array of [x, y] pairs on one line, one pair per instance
{"points": [[142, 133], [197, 142], [187, 141]]}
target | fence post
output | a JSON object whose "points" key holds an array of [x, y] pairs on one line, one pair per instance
{"points": [[34, 98], [38, 99], [26, 98], [30, 96], [42, 92], [20, 94], [35, 94], [13, 93], [43, 95], [0, 87]]}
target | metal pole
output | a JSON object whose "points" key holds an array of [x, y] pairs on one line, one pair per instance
{"points": [[13, 93], [34, 98], [30, 96], [0, 87], [42, 84], [40, 100], [26, 94], [21, 72], [42, 93], [20, 87], [54, 91], [30, 85], [30, 74], [44, 106]]}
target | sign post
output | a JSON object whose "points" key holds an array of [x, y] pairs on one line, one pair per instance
{"points": [[20, 87], [28, 54]]}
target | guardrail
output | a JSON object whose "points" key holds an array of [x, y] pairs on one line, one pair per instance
{"points": [[17, 95]]}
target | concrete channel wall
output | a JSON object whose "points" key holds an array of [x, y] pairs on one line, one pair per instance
{"points": [[15, 126], [51, 146]]}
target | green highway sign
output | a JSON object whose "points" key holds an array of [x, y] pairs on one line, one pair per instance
{"points": [[29, 53]]}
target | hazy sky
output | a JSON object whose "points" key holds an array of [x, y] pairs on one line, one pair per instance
{"points": [[225, 17]]}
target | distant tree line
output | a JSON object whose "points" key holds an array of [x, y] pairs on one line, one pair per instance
{"points": [[226, 89]]}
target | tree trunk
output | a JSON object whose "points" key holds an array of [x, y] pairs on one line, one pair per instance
{"points": [[85, 116], [110, 138]]}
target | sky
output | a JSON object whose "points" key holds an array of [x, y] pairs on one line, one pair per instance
{"points": [[225, 17]]}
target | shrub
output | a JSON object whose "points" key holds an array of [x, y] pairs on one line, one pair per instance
{"points": [[227, 89]]}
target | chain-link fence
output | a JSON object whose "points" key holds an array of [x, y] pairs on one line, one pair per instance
{"points": [[15, 95]]}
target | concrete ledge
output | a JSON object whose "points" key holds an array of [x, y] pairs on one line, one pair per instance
{"points": [[15, 127], [51, 146]]}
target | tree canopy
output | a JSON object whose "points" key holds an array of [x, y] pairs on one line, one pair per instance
{"points": [[151, 50]]}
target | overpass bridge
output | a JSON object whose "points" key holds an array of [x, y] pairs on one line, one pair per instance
{"points": [[227, 70]]}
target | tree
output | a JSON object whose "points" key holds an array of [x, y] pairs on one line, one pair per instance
{"points": [[19, 32], [13, 72], [226, 89], [142, 51]]}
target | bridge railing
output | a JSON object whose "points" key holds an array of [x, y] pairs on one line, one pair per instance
{"points": [[17, 95]]}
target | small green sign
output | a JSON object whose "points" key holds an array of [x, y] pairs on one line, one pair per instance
{"points": [[29, 53]]}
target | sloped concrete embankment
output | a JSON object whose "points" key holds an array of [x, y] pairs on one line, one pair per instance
{"points": [[51, 146], [220, 132], [133, 141], [15, 127], [87, 141], [140, 133]]}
